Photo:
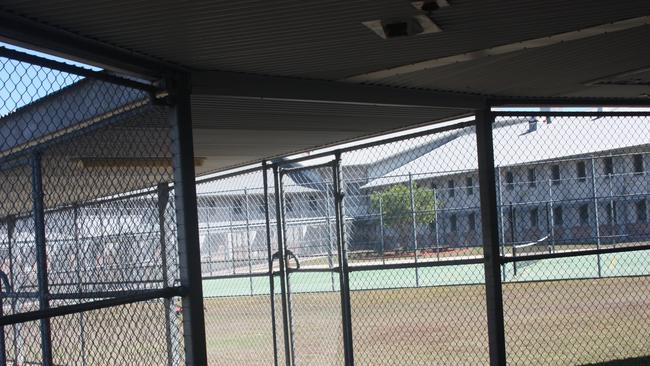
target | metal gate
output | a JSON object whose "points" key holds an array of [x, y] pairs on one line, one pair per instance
{"points": [[312, 265]]}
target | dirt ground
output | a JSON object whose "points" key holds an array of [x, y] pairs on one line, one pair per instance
{"points": [[547, 323]]}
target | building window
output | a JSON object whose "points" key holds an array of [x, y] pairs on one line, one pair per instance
{"points": [[584, 214], [238, 206], [453, 223], [471, 221], [532, 178], [608, 165], [469, 182], [510, 181], [581, 171], [638, 163], [452, 190], [534, 217], [641, 211], [555, 174], [558, 216]]}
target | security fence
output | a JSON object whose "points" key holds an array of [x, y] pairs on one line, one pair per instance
{"points": [[375, 252], [518, 236], [93, 261]]}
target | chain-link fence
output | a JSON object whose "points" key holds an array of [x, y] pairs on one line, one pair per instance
{"points": [[387, 252], [380, 251], [89, 256]]}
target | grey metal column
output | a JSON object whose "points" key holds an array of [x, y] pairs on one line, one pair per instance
{"points": [[502, 226], [248, 240], [267, 219], [490, 224], [17, 328], [41, 256], [189, 250], [346, 313], [163, 200], [77, 245], [414, 228], [381, 230], [330, 250], [284, 279], [596, 214]]}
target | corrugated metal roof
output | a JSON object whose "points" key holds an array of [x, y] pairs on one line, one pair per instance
{"points": [[560, 69], [514, 145], [322, 39]]}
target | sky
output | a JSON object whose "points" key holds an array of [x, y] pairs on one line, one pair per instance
{"points": [[22, 83]]}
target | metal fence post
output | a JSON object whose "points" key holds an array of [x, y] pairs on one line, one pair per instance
{"points": [[284, 278], [414, 227], [189, 250], [16, 328], [502, 226], [435, 221], [596, 215], [3, 349], [551, 215], [381, 230], [77, 244], [248, 240], [41, 256], [330, 251], [348, 350], [267, 220], [163, 200], [490, 223]]}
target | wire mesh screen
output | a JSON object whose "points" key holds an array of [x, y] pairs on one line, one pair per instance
{"points": [[235, 259], [572, 194], [86, 216], [412, 216]]}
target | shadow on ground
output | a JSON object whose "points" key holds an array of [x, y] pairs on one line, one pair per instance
{"points": [[639, 361]]}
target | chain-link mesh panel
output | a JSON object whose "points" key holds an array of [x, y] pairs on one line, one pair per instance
{"points": [[86, 215], [235, 251], [411, 212], [568, 184]]}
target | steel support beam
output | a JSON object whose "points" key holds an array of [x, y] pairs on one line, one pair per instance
{"points": [[490, 225], [41, 257], [238, 85], [187, 222]]}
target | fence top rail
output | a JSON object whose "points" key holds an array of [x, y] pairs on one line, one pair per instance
{"points": [[77, 70], [571, 113]]}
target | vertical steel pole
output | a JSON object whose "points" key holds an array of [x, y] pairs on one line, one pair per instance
{"points": [[17, 328], [414, 228], [613, 225], [77, 245], [163, 200], [232, 245], [490, 225], [187, 221], [596, 214], [502, 227], [41, 256], [284, 278], [381, 230], [3, 349], [550, 215], [267, 219], [435, 220], [346, 309], [248, 240], [330, 251]]}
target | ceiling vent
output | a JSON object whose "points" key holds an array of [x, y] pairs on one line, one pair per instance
{"points": [[403, 27]]}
